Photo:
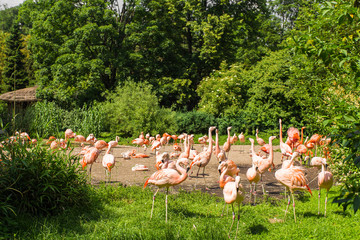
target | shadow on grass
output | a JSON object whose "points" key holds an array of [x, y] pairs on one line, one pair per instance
{"points": [[312, 215], [343, 213], [258, 229]]}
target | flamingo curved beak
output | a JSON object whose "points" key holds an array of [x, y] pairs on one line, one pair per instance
{"points": [[109, 166]]}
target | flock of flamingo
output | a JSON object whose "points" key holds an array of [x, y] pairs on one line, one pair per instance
{"points": [[173, 172]]}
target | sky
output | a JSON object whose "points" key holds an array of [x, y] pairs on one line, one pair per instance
{"points": [[10, 3]]}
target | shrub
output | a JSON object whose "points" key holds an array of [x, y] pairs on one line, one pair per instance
{"points": [[133, 108], [194, 122], [37, 181]]}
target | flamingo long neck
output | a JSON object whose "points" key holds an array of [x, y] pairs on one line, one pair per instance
{"points": [[252, 149], [217, 148], [222, 176], [187, 147], [322, 167], [271, 155], [302, 135], [108, 150], [183, 174], [228, 139], [210, 141], [281, 139]]}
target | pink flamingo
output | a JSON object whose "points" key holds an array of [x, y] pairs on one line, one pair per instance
{"points": [[69, 134], [90, 157], [284, 148], [233, 192], [260, 141], [265, 163], [253, 177], [227, 144], [113, 143], [167, 178], [217, 147], [325, 180], [202, 159], [108, 162], [242, 138], [79, 138], [292, 178]]}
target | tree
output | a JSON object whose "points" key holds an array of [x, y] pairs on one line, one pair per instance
{"points": [[14, 75], [76, 47]]}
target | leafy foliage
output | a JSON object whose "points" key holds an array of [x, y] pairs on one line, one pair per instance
{"points": [[37, 181], [133, 108], [194, 122]]}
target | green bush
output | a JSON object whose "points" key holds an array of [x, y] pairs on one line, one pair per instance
{"points": [[194, 122], [134, 108], [35, 180]]}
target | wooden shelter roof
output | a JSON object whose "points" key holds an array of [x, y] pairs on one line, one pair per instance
{"points": [[21, 95]]}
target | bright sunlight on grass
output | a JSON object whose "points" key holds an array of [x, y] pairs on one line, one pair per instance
{"points": [[124, 213]]}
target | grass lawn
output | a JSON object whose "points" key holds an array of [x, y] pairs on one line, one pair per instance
{"points": [[118, 212]]}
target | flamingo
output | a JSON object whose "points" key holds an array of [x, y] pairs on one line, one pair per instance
{"points": [[141, 136], [91, 139], [233, 192], [294, 136], [260, 141], [265, 163], [186, 153], [114, 143], [138, 142], [69, 134], [255, 158], [108, 162], [79, 138], [241, 137], [325, 180], [203, 158], [101, 144], [233, 139], [253, 177], [293, 178], [90, 157], [284, 148], [167, 178], [217, 148], [227, 144]]}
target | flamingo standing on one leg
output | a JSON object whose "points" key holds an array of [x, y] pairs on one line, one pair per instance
{"points": [[292, 178], [202, 159], [325, 180], [233, 192], [168, 178]]}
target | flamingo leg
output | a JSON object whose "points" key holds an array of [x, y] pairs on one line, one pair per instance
{"points": [[222, 214], [319, 201], [285, 193], [237, 226], [166, 205], [197, 174], [233, 218], [152, 208], [292, 194], [255, 194], [90, 172], [326, 198], [250, 192], [287, 207]]}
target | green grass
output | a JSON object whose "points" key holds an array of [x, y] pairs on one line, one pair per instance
{"points": [[124, 213]]}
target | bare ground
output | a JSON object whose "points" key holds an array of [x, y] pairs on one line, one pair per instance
{"points": [[123, 174]]}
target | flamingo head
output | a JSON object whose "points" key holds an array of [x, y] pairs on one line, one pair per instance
{"points": [[109, 166]]}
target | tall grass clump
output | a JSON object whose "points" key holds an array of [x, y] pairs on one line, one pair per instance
{"points": [[36, 181], [134, 108]]}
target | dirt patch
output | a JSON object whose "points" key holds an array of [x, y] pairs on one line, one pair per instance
{"points": [[122, 172]]}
